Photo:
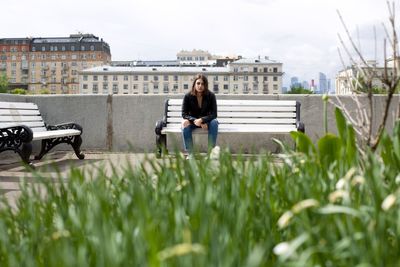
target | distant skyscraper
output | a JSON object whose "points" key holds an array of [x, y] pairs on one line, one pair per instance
{"points": [[306, 85], [323, 83], [294, 81]]}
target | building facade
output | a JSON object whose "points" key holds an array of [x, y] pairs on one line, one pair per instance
{"points": [[349, 80], [244, 76], [51, 64]]}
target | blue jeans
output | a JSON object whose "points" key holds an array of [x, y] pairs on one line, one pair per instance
{"points": [[188, 137]]}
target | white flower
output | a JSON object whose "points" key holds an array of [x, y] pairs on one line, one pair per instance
{"points": [[338, 194], [282, 248], [388, 202], [285, 219], [305, 204]]}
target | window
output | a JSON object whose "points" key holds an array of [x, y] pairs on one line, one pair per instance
{"points": [[165, 77], [245, 78], [135, 78], [215, 78], [265, 88], [95, 88], [186, 86], [235, 69], [145, 78], [145, 88], [105, 88], [95, 78], [175, 78], [92, 48], [226, 87], [275, 79], [255, 88], [165, 88], [265, 69], [84, 86], [33, 49], [226, 78], [155, 78], [255, 69], [275, 87], [255, 78], [72, 48], [125, 77], [175, 88], [235, 88], [155, 88], [265, 78], [115, 88], [43, 48], [63, 48], [215, 88], [125, 87], [275, 70], [105, 78], [245, 88], [115, 78], [235, 78]]}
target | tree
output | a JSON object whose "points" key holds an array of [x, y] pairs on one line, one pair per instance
{"points": [[298, 89], [3, 83], [18, 91]]}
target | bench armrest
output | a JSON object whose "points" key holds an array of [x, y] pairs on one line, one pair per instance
{"points": [[15, 134], [159, 125], [64, 126], [300, 127]]}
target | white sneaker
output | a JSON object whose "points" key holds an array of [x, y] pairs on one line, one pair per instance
{"points": [[189, 157], [215, 152]]}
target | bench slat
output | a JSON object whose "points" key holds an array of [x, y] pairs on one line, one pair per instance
{"points": [[30, 124], [17, 105], [20, 119], [244, 108], [222, 102], [239, 128], [246, 120], [30, 112], [244, 114], [54, 134]]}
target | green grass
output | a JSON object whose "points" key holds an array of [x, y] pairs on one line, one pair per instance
{"points": [[301, 210]]}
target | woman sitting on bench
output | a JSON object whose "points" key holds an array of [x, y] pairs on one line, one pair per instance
{"points": [[199, 110]]}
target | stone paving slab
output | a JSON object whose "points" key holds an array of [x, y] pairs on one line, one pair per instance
{"points": [[58, 165]]}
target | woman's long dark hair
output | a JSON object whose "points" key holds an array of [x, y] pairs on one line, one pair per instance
{"points": [[205, 81]]}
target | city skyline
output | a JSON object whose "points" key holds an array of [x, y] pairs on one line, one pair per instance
{"points": [[300, 34]]}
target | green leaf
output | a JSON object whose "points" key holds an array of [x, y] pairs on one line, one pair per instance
{"points": [[341, 123], [303, 143], [329, 148]]}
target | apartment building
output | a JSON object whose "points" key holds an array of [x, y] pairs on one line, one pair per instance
{"points": [[51, 63], [349, 80], [243, 76]]}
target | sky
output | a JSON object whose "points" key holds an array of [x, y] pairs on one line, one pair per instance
{"points": [[301, 34]]}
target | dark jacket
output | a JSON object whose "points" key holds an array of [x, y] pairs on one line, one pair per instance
{"points": [[192, 111]]}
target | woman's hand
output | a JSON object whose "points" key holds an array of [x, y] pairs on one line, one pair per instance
{"points": [[185, 123], [198, 122]]}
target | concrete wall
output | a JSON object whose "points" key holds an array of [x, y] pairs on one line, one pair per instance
{"points": [[126, 122]]}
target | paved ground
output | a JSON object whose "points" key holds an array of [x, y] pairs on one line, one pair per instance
{"points": [[59, 164]]}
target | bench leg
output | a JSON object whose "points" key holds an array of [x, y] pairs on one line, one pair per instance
{"points": [[161, 141], [76, 145], [74, 141], [25, 153]]}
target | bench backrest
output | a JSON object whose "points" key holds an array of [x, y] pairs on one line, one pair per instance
{"points": [[245, 114], [17, 113]]}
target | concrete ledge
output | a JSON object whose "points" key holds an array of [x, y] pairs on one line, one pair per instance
{"points": [[126, 122]]}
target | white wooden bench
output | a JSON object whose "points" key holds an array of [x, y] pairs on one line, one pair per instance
{"points": [[21, 123], [236, 116]]}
